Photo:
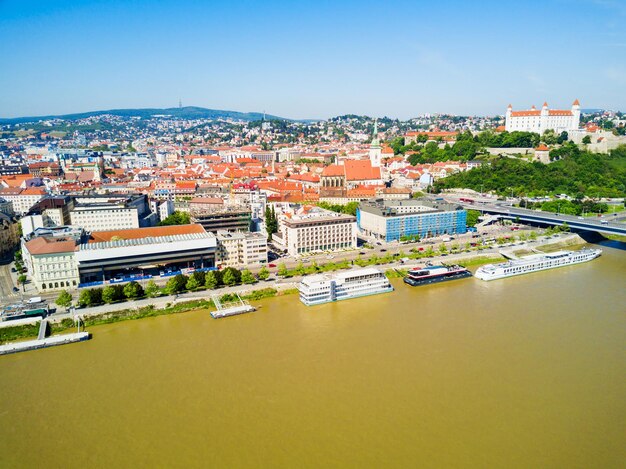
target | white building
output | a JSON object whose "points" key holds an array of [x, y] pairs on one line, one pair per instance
{"points": [[240, 249], [22, 199], [95, 217], [538, 121], [316, 232], [51, 263]]}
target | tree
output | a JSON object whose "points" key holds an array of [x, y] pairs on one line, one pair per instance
{"points": [[176, 218], [264, 273], [247, 277], [199, 276], [443, 249], [586, 140], [21, 280], [235, 272], [133, 290], [192, 283], [229, 278], [472, 217], [85, 298], [152, 289], [211, 280], [109, 294], [64, 299], [176, 284], [282, 270]]}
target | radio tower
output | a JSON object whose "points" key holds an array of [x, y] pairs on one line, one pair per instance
{"points": [[180, 103]]}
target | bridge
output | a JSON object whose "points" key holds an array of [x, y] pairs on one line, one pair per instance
{"points": [[605, 225]]}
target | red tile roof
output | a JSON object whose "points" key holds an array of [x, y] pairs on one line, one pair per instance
{"points": [[41, 245], [360, 170], [525, 113], [150, 232], [333, 170]]}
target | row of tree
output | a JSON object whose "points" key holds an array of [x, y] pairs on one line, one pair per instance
{"points": [[179, 283], [349, 208], [176, 218], [568, 207]]}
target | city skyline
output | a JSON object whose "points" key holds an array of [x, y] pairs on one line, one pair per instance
{"points": [[305, 61]]}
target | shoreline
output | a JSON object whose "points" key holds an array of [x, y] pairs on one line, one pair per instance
{"points": [[134, 310]]}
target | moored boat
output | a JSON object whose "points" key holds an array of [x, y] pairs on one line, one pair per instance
{"points": [[535, 263], [435, 274]]}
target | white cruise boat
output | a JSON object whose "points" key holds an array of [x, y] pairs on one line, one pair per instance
{"points": [[535, 263], [324, 288]]}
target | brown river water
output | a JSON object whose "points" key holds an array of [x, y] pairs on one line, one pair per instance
{"points": [[525, 372]]}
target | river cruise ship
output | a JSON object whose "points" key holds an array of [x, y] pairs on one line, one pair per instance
{"points": [[324, 288], [435, 274], [535, 263]]}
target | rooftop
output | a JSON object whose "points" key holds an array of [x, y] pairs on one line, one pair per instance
{"points": [[150, 232]]}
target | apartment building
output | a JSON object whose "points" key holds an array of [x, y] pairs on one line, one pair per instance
{"points": [[316, 231], [239, 249], [22, 199], [103, 213]]}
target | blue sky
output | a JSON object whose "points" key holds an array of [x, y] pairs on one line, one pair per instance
{"points": [[311, 59]]}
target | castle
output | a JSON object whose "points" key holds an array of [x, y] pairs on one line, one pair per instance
{"points": [[535, 120]]}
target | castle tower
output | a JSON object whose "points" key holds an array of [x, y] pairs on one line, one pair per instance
{"points": [[575, 115], [507, 121], [375, 148], [543, 119]]}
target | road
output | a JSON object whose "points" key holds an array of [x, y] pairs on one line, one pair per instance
{"points": [[6, 283]]}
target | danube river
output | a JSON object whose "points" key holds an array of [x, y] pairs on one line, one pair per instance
{"points": [[516, 373]]}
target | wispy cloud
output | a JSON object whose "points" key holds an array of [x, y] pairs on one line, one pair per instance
{"points": [[616, 73], [434, 59], [537, 82], [618, 7]]}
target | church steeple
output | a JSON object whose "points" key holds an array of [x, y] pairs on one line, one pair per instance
{"points": [[375, 141], [375, 148]]}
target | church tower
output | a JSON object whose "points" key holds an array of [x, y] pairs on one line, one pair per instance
{"points": [[375, 148]]}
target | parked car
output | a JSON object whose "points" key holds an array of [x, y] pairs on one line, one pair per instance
{"points": [[272, 265]]}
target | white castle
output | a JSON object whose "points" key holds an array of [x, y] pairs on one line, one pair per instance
{"points": [[535, 120]]}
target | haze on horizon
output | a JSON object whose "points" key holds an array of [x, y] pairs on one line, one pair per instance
{"points": [[311, 59]]}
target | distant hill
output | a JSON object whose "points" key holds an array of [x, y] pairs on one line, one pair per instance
{"points": [[188, 112]]}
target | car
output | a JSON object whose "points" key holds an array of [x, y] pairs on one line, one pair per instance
{"points": [[361, 252], [581, 218], [383, 250], [272, 265], [13, 269], [15, 289], [306, 260]]}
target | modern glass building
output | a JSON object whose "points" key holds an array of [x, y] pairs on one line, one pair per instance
{"points": [[392, 219]]}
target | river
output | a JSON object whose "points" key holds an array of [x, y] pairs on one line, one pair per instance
{"points": [[521, 372]]}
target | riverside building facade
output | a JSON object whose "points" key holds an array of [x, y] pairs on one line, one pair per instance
{"points": [[391, 220], [316, 231], [58, 260]]}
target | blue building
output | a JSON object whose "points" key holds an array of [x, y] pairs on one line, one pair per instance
{"points": [[392, 219]]}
